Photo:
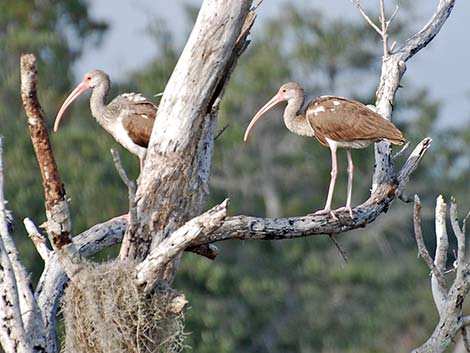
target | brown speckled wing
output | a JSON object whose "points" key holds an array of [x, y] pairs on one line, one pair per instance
{"points": [[138, 118], [344, 120]]}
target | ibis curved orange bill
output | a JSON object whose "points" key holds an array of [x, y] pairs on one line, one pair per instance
{"points": [[82, 87], [278, 98]]}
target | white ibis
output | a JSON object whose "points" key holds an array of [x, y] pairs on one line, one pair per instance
{"points": [[334, 122], [129, 117]]}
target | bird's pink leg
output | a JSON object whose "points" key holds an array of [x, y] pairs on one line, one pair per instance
{"points": [[331, 189], [348, 208], [350, 181]]}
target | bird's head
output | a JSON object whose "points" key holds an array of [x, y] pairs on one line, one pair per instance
{"points": [[288, 91], [95, 78], [90, 80]]}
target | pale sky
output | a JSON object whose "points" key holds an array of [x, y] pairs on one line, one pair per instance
{"points": [[442, 67]]}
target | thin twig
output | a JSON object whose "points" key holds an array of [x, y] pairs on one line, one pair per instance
{"points": [[221, 131], [366, 16], [464, 223], [384, 31], [393, 16], [401, 151], [255, 7], [343, 253], [454, 221], [422, 251]]}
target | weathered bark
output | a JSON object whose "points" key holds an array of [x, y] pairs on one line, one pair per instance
{"points": [[175, 183], [174, 177], [393, 69], [448, 300], [178, 241], [13, 337], [53, 279], [58, 223]]}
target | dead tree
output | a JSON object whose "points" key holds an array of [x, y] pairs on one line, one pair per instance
{"points": [[166, 212], [448, 299]]}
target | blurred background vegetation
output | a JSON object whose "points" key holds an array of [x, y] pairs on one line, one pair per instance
{"points": [[290, 296]]}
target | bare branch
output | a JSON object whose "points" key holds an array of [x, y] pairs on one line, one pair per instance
{"points": [[411, 164], [53, 279], [451, 320], [418, 41], [401, 151], [38, 239], [423, 252], [13, 336], [207, 250], [366, 17], [248, 228], [30, 313], [393, 69], [464, 222], [179, 240], [392, 16], [442, 242], [57, 211], [459, 235], [171, 192], [384, 31]]}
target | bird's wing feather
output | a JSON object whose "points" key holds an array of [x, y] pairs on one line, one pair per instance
{"points": [[345, 120], [138, 116]]}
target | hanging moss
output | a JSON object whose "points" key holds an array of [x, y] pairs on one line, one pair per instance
{"points": [[107, 312]]}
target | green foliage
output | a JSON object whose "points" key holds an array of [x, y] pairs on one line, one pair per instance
{"points": [[292, 296], [56, 32]]}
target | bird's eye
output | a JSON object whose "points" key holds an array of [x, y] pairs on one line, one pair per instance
{"points": [[284, 90], [88, 78]]}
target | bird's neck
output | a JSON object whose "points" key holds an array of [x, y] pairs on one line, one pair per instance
{"points": [[294, 118], [97, 102]]}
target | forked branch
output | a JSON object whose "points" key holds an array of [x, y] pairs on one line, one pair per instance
{"points": [[384, 28], [448, 300]]}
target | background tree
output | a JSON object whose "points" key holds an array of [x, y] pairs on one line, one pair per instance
{"points": [[257, 321]]}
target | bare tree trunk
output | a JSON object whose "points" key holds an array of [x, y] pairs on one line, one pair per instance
{"points": [[175, 177], [174, 185]]}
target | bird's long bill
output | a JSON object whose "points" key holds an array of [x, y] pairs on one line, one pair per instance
{"points": [[82, 87], [274, 100]]}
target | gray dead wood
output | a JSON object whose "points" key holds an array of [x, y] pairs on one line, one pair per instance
{"points": [[448, 300], [14, 305], [393, 69], [53, 279], [175, 177]]}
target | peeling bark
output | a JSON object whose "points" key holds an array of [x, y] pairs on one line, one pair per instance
{"points": [[58, 216], [170, 190]]}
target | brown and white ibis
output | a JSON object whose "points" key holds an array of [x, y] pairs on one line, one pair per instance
{"points": [[334, 122], [129, 117]]}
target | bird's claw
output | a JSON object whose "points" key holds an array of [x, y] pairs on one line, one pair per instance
{"points": [[346, 209], [326, 212]]}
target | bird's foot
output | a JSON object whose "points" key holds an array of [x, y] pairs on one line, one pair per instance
{"points": [[326, 211], [346, 209]]}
